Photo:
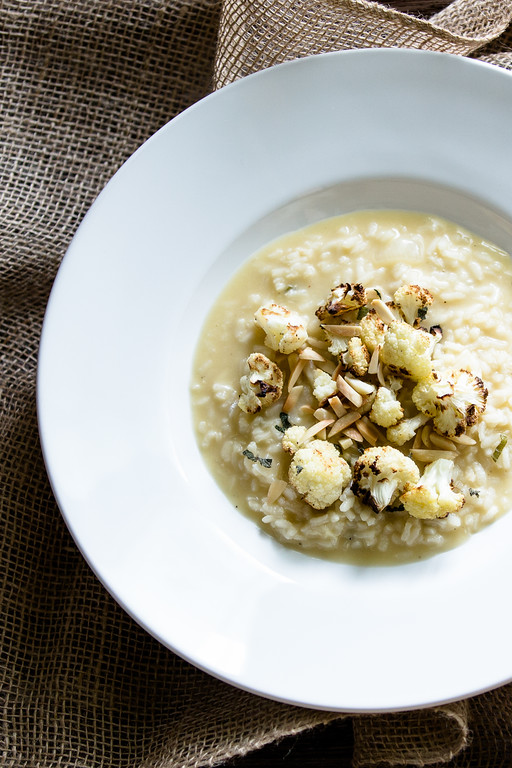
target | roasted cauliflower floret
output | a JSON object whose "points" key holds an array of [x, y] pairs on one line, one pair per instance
{"points": [[455, 402], [319, 474], [285, 330], [262, 385], [373, 330], [381, 475], [357, 357], [337, 344], [405, 430], [413, 303], [407, 351], [324, 386], [292, 439], [434, 495], [386, 409], [343, 298]]}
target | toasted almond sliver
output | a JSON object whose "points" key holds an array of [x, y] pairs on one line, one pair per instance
{"points": [[372, 429], [349, 392], [322, 435], [438, 441], [425, 435], [311, 354], [463, 440], [343, 330], [295, 374], [275, 490], [431, 455], [337, 371], [345, 443], [383, 311], [363, 387], [293, 398], [366, 434], [337, 406], [353, 434], [344, 422], [307, 409], [315, 429], [373, 366], [380, 375], [417, 440], [321, 414]]}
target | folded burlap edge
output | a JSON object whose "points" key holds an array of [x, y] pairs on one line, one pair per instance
{"points": [[262, 35]]}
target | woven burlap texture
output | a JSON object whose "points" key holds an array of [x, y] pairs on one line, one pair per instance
{"points": [[83, 84]]}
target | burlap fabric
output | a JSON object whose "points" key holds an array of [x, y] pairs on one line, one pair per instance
{"points": [[83, 83]]}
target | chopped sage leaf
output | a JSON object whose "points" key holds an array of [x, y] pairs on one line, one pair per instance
{"points": [[499, 448], [250, 455]]}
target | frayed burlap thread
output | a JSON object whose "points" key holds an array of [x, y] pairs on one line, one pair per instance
{"points": [[263, 33], [83, 84]]}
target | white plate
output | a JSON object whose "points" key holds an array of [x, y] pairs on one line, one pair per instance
{"points": [[278, 150]]}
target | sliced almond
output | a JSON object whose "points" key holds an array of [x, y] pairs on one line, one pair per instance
{"points": [[321, 414], [425, 435], [418, 443], [275, 490], [315, 429], [337, 406], [353, 434], [344, 422], [380, 375], [346, 443], [438, 441], [308, 353], [371, 429], [294, 376], [293, 398], [383, 311], [428, 456], [463, 440], [373, 365], [349, 392], [363, 387], [343, 330]]}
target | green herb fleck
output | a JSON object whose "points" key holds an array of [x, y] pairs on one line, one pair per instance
{"points": [[422, 312], [472, 492], [285, 422], [250, 455], [299, 469], [499, 448], [362, 312]]}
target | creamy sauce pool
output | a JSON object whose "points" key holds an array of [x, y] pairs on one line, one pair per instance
{"points": [[471, 281]]}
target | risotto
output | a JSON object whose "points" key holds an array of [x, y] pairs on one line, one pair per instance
{"points": [[351, 387]]}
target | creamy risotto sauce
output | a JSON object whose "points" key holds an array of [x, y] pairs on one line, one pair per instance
{"points": [[471, 283]]}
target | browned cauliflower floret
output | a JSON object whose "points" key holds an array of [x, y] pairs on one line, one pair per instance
{"points": [[381, 474], [413, 303], [292, 438], [319, 474], [407, 351], [455, 402], [285, 330], [343, 298], [386, 409], [434, 496], [405, 430], [262, 386], [324, 386], [373, 330], [357, 357]]}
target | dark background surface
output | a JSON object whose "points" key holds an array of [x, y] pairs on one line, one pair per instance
{"points": [[324, 746]]}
